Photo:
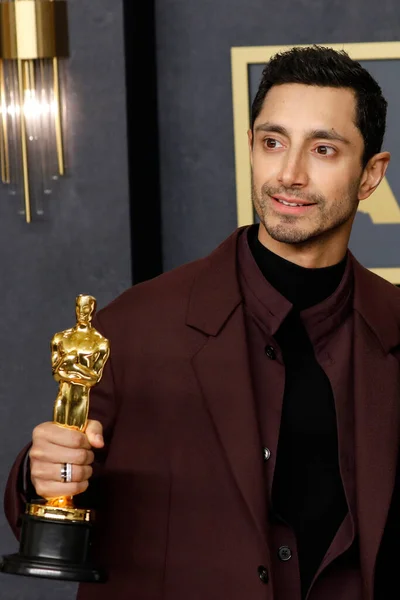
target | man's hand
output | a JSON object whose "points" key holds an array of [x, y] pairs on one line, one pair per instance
{"points": [[52, 447]]}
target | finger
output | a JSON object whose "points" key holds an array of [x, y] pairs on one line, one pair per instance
{"points": [[62, 436], [52, 472], [94, 432], [52, 453], [54, 489]]}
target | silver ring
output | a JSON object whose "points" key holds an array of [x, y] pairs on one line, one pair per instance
{"points": [[66, 473]]}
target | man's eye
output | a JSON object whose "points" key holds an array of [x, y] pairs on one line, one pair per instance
{"points": [[272, 143], [325, 150]]}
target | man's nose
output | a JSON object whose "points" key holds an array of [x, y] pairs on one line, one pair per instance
{"points": [[293, 172]]}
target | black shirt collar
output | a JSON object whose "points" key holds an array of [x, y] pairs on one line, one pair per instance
{"points": [[270, 307], [303, 287]]}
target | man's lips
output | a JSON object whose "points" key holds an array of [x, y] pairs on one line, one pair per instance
{"points": [[291, 206], [291, 201]]}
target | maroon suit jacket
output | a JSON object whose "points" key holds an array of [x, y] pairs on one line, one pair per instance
{"points": [[180, 493]]}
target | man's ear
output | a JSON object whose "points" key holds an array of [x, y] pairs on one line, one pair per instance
{"points": [[373, 174]]}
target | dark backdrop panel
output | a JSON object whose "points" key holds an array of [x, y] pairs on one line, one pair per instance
{"points": [[141, 90], [83, 246], [195, 99]]}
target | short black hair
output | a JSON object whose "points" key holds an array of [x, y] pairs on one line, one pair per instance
{"points": [[325, 67]]}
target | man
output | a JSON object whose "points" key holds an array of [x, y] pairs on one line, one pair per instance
{"points": [[246, 426]]}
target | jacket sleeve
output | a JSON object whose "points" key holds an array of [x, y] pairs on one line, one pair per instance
{"points": [[15, 497], [102, 408]]}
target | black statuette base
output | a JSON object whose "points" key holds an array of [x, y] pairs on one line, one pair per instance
{"points": [[15, 564], [55, 550]]}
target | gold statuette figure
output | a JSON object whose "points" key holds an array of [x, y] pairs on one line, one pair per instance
{"points": [[78, 356]]}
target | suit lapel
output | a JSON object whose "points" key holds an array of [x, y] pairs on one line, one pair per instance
{"points": [[377, 397], [377, 410], [223, 373], [222, 370]]}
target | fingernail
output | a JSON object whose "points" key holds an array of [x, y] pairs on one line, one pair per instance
{"points": [[99, 438]]}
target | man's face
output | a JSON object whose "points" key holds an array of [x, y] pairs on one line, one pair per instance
{"points": [[306, 150]]}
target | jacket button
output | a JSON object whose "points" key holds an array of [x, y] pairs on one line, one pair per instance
{"points": [[284, 553], [263, 574], [270, 352], [266, 454]]}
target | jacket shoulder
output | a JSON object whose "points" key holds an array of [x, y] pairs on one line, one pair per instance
{"points": [[378, 302], [166, 294]]}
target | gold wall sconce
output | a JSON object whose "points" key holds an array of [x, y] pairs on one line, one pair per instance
{"points": [[33, 42]]}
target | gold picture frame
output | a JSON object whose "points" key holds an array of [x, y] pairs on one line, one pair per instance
{"points": [[384, 209]]}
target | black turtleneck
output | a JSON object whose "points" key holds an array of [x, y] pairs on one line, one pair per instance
{"points": [[307, 490], [302, 287]]}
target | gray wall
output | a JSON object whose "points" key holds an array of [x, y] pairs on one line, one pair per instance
{"points": [[83, 246], [195, 99]]}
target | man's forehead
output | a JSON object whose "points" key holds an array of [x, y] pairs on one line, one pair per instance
{"points": [[300, 110], [298, 100], [303, 90]]}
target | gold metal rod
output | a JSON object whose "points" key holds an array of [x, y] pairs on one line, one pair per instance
{"points": [[32, 83], [3, 117], [57, 116], [44, 123], [5, 130], [5, 147], [24, 147]]}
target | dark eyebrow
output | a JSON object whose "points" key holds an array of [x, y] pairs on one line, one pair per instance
{"points": [[315, 134], [273, 128], [327, 134]]}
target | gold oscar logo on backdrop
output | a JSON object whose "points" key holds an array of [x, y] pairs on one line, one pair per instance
{"points": [[382, 207]]}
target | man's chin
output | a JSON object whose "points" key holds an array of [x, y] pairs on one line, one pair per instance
{"points": [[291, 236]]}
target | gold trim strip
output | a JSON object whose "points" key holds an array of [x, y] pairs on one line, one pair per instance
{"points": [[32, 29], [241, 119], [390, 274], [60, 514]]}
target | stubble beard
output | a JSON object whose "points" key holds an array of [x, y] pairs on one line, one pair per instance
{"points": [[292, 229]]}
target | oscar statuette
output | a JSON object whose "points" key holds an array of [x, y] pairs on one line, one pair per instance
{"points": [[55, 535]]}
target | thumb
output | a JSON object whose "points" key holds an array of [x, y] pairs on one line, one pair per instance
{"points": [[94, 432]]}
